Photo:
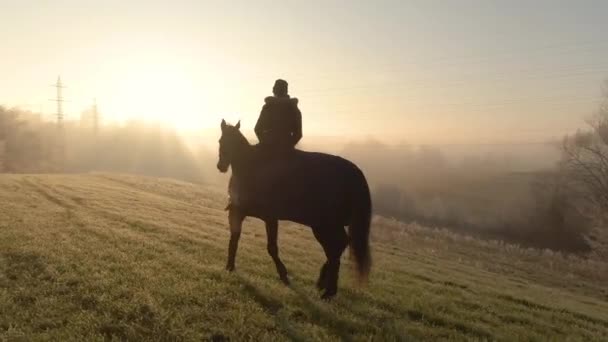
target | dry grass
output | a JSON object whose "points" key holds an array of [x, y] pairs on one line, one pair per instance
{"points": [[98, 257]]}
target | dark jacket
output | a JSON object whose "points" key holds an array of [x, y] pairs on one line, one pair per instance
{"points": [[280, 122]]}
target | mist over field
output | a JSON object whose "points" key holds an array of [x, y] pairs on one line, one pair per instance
{"points": [[498, 191]]}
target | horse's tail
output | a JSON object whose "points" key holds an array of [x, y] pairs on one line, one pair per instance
{"points": [[360, 222]]}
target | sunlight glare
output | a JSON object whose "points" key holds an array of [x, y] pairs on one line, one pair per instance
{"points": [[161, 92]]}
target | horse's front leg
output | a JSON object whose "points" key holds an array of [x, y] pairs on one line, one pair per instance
{"points": [[272, 227], [235, 220]]}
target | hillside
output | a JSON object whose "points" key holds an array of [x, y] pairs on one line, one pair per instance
{"points": [[101, 256]]}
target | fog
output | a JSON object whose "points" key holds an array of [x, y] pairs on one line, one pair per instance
{"points": [[35, 146], [514, 195], [507, 192]]}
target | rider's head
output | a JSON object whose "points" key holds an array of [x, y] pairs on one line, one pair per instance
{"points": [[280, 88]]}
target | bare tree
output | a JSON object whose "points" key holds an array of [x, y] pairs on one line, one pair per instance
{"points": [[585, 161], [586, 157]]}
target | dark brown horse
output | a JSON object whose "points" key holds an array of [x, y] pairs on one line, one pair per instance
{"points": [[318, 190]]}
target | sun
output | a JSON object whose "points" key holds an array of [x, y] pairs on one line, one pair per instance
{"points": [[161, 92]]}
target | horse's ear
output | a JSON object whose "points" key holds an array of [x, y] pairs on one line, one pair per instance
{"points": [[238, 125], [223, 124]]}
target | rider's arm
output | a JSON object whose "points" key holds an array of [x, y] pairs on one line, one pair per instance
{"points": [[297, 129], [261, 124]]}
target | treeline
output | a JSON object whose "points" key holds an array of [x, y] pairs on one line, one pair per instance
{"points": [[27, 144], [478, 196], [31, 145]]}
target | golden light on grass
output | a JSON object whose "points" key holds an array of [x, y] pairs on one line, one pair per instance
{"points": [[84, 261]]}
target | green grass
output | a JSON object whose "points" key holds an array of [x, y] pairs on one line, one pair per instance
{"points": [[99, 257]]}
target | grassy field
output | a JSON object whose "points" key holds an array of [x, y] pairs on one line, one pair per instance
{"points": [[99, 257]]}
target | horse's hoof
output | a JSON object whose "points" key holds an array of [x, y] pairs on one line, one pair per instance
{"points": [[230, 268], [321, 285], [327, 295], [285, 280]]}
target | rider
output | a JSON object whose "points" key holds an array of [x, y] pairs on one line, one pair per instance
{"points": [[279, 127]]}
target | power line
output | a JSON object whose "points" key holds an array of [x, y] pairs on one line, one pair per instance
{"points": [[528, 74], [460, 60]]}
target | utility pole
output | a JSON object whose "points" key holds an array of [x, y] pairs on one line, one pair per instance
{"points": [[2, 152], [95, 117]]}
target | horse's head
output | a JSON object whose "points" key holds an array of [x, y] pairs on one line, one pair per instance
{"points": [[229, 142]]}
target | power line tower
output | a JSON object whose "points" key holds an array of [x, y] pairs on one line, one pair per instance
{"points": [[59, 99], [60, 147]]}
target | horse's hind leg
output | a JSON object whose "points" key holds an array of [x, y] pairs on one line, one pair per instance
{"points": [[235, 220], [272, 227], [334, 240], [322, 281]]}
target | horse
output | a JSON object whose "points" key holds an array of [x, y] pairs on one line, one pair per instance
{"points": [[321, 191]]}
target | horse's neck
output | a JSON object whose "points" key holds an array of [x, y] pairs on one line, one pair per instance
{"points": [[241, 164]]}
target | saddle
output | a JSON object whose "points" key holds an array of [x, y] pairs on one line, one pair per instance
{"points": [[270, 171]]}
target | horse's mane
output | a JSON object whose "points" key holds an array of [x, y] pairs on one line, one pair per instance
{"points": [[241, 138]]}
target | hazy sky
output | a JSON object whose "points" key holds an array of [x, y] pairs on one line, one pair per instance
{"points": [[417, 71]]}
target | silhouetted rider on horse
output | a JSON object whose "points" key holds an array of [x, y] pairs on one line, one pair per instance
{"points": [[273, 181], [279, 127]]}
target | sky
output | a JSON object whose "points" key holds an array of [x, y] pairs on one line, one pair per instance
{"points": [[398, 71]]}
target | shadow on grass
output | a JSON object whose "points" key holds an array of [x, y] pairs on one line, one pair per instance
{"points": [[320, 314], [272, 306], [385, 323], [315, 312], [324, 315], [266, 302]]}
